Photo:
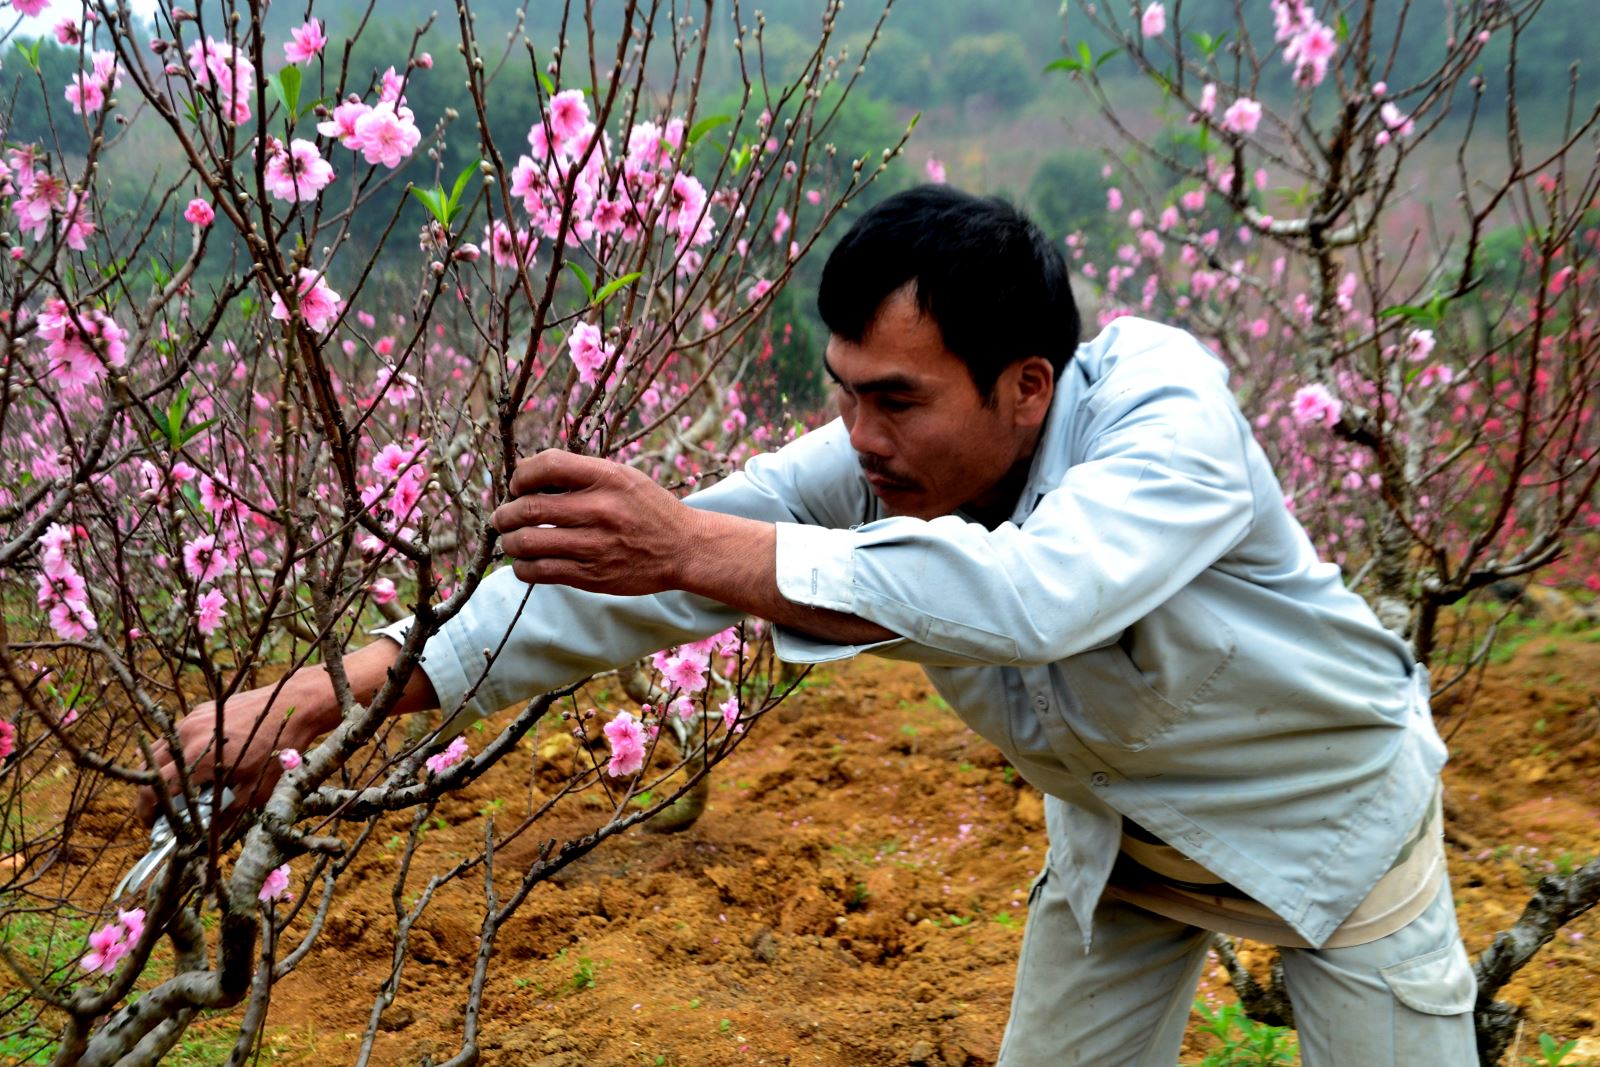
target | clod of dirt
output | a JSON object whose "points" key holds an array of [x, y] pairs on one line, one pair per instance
{"points": [[398, 1017], [920, 1055], [763, 945], [810, 911], [1029, 808]]}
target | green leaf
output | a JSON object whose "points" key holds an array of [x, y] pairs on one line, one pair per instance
{"points": [[549, 86], [741, 158], [176, 412], [285, 85], [160, 419], [1408, 311], [614, 284], [705, 126], [1103, 56], [461, 183], [1428, 314], [1341, 28], [312, 105], [185, 436], [1064, 64], [31, 55], [583, 279], [433, 200]]}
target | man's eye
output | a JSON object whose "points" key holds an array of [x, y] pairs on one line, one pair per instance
{"points": [[894, 405]]}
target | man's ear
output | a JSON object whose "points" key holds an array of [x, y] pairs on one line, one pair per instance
{"points": [[1034, 386]]}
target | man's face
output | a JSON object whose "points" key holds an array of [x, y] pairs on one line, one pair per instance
{"points": [[927, 440]]}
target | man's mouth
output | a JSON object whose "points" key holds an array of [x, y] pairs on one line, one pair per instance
{"points": [[883, 483]]}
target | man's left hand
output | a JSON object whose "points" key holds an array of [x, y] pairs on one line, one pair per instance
{"points": [[593, 524]]}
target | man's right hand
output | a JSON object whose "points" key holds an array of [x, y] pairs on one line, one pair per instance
{"points": [[254, 730], [259, 723]]}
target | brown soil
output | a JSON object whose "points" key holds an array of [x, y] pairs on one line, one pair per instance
{"points": [[855, 894]]}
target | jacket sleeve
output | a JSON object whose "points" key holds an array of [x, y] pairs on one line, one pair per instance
{"points": [[543, 637], [1160, 493]]}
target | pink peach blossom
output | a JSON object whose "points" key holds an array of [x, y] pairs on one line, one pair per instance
{"points": [[1242, 116], [305, 42], [569, 112], [107, 946], [298, 172], [275, 886], [319, 305], [199, 212], [1153, 22], [1313, 404], [386, 135], [209, 611], [627, 740], [453, 754]]}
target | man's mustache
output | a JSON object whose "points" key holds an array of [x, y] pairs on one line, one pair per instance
{"points": [[880, 467]]}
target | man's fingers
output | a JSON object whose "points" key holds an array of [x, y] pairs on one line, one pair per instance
{"points": [[198, 769], [554, 469], [535, 542], [160, 756], [546, 571], [538, 509]]}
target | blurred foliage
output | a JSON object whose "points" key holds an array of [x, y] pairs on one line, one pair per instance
{"points": [[1067, 195], [978, 65]]}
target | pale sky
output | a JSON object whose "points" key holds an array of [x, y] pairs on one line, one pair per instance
{"points": [[58, 10]]}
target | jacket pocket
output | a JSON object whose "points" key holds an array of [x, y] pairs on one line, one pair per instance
{"points": [[1138, 688]]}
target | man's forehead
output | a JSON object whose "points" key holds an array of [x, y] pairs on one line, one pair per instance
{"points": [[863, 369]]}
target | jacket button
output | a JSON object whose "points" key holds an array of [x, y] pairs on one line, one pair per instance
{"points": [[1041, 702], [1100, 779]]}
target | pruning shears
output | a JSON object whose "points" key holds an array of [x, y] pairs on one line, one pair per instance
{"points": [[163, 840]]}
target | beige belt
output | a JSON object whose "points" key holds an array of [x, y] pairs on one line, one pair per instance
{"points": [[1399, 896]]}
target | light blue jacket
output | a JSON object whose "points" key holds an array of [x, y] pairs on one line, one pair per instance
{"points": [[1151, 636]]}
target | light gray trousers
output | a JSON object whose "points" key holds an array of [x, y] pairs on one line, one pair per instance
{"points": [[1404, 1000]]}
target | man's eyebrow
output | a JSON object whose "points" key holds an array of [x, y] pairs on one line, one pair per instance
{"points": [[888, 383]]}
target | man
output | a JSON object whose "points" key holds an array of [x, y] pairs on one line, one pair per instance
{"points": [[1088, 551]]}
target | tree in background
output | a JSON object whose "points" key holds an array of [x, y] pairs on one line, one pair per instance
{"points": [[231, 439], [1428, 378]]}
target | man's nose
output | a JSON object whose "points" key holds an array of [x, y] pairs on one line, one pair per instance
{"points": [[867, 436]]}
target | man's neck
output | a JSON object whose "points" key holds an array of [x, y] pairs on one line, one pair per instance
{"points": [[1000, 502]]}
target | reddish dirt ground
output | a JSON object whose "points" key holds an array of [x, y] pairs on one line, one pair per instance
{"points": [[855, 894]]}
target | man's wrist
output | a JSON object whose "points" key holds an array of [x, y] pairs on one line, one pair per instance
{"points": [[309, 707], [725, 558]]}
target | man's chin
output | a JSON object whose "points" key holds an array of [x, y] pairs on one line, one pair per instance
{"points": [[900, 499]]}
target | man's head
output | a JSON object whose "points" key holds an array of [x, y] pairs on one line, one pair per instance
{"points": [[950, 317]]}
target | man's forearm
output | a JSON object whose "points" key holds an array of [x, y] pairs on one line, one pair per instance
{"points": [[310, 690], [734, 560]]}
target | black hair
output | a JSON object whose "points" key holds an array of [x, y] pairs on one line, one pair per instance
{"points": [[980, 268]]}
